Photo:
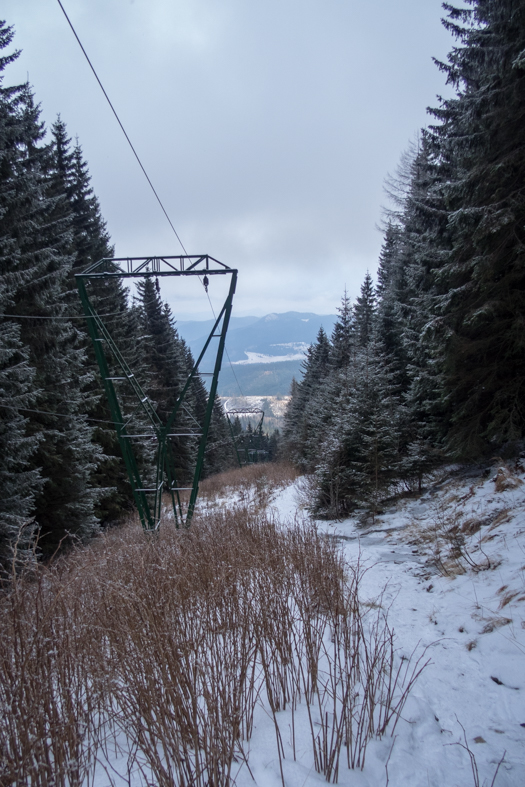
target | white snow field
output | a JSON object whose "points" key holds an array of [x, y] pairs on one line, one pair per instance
{"points": [[448, 567]]}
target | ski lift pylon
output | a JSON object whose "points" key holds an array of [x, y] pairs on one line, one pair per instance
{"points": [[247, 455], [148, 498]]}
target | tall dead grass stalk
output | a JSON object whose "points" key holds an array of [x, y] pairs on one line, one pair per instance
{"points": [[161, 647]]}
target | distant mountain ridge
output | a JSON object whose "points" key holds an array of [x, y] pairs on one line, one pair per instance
{"points": [[192, 330], [273, 338], [265, 352]]}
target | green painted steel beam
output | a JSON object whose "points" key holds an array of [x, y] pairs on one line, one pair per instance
{"points": [[227, 310], [129, 458]]}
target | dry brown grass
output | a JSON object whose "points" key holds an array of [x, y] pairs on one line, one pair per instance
{"points": [[449, 533], [495, 623], [506, 478], [251, 484], [164, 644]]}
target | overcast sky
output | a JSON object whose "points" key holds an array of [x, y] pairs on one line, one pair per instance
{"points": [[266, 126]]}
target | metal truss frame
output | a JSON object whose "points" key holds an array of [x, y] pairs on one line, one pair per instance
{"points": [[258, 430], [149, 499]]}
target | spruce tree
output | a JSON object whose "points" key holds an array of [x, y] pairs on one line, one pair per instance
{"points": [[167, 372], [480, 139], [409, 314], [392, 301], [219, 454], [35, 260], [316, 367], [388, 258], [322, 408], [342, 343], [91, 243], [90, 235], [364, 311], [363, 411], [19, 484]]}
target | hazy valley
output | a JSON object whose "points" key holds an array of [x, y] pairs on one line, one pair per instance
{"points": [[263, 353]]}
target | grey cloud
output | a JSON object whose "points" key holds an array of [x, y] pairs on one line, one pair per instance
{"points": [[267, 128]]}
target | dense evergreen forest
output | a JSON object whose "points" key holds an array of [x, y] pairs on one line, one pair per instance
{"points": [[61, 474], [428, 364], [425, 367]]}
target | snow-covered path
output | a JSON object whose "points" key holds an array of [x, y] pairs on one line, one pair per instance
{"points": [[473, 625]]}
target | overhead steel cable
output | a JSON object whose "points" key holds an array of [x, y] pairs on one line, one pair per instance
{"points": [[225, 349], [121, 126], [139, 162], [52, 414], [41, 317]]}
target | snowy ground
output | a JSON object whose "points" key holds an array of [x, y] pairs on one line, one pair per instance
{"points": [[472, 623]]}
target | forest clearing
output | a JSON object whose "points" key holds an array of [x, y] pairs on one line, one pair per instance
{"points": [[263, 647]]}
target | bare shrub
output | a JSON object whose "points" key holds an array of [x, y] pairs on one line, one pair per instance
{"points": [[449, 533], [168, 642], [473, 762], [51, 706], [362, 684]]}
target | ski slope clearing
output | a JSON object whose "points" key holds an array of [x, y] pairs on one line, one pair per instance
{"points": [[261, 647]]}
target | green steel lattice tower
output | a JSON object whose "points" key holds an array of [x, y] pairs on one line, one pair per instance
{"points": [[148, 499]]}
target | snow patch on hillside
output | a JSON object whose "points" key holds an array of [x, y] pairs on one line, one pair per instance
{"points": [[262, 358]]}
